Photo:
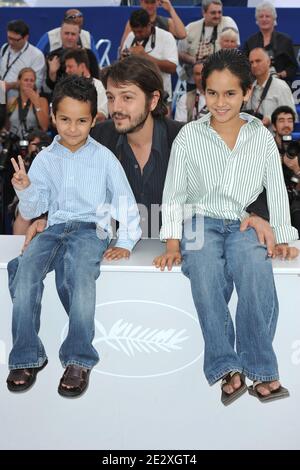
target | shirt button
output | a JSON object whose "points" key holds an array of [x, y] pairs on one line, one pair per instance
{"points": [[136, 167]]}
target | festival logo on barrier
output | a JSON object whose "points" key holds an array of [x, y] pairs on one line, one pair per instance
{"points": [[138, 339]]}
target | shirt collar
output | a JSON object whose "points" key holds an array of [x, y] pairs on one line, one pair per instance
{"points": [[56, 144], [21, 50], [244, 115]]}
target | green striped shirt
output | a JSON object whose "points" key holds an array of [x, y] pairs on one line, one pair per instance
{"points": [[219, 182]]}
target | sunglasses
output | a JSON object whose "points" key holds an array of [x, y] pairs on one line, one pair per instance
{"points": [[73, 17]]}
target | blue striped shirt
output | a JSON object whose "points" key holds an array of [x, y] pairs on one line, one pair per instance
{"points": [[88, 185]]}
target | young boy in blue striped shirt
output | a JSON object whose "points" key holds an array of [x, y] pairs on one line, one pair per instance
{"points": [[81, 184], [219, 165]]}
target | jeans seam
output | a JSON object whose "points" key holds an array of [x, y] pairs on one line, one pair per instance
{"points": [[44, 273]]}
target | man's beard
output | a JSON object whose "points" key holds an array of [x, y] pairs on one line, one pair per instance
{"points": [[136, 125]]}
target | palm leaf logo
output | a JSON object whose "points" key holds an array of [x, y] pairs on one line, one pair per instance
{"points": [[130, 339]]}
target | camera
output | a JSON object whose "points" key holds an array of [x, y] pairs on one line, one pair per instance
{"points": [[125, 53], [290, 147], [8, 148], [29, 157]]}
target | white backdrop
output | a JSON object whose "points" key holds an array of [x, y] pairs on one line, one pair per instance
{"points": [[148, 390]]}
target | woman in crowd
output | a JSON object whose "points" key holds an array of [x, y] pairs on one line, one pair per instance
{"points": [[28, 110]]}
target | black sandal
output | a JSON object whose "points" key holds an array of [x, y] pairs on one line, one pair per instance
{"points": [[26, 375], [228, 398], [280, 392], [75, 377]]}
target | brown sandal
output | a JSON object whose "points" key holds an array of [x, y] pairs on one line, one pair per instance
{"points": [[280, 392], [228, 398], [75, 377], [26, 375]]}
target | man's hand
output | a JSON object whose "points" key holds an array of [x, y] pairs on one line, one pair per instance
{"points": [[37, 226], [286, 252], [20, 179], [115, 253], [137, 50], [263, 230]]}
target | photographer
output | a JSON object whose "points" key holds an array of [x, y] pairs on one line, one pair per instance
{"points": [[157, 45], [36, 141], [283, 120], [268, 91]]}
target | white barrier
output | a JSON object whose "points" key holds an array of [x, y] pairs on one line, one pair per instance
{"points": [[148, 390]]}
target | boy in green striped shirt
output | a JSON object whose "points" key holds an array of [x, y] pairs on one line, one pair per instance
{"points": [[218, 166]]}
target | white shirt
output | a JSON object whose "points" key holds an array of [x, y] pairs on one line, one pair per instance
{"points": [[279, 94], [101, 97], [29, 56], [181, 107], [2, 92], [165, 48]]}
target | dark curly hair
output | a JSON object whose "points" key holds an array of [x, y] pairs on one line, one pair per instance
{"points": [[233, 60], [78, 88]]}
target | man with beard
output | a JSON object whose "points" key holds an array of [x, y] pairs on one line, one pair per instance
{"points": [[139, 134]]}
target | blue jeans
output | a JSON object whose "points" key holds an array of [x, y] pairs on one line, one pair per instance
{"points": [[74, 251], [229, 257]]}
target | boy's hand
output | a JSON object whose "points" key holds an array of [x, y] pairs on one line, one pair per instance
{"points": [[20, 179], [284, 251], [168, 259], [113, 254]]}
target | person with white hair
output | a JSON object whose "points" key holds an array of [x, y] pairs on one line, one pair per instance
{"points": [[229, 38], [278, 45]]}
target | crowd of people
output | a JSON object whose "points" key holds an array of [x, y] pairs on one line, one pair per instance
{"points": [[115, 139]]}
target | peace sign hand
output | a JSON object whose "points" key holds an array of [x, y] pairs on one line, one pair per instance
{"points": [[20, 179]]}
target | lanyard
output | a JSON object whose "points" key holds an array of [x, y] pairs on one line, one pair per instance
{"points": [[9, 66], [264, 93]]}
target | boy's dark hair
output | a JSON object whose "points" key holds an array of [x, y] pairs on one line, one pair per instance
{"points": [[78, 88], [79, 55], [139, 71], [233, 60], [139, 18], [19, 27], [282, 109]]}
